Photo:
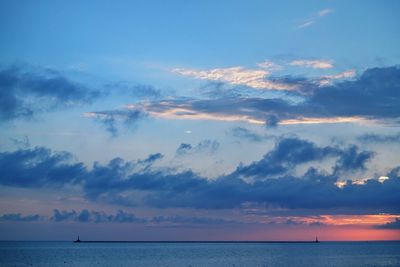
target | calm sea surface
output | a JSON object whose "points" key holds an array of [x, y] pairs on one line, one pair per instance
{"points": [[200, 254]]}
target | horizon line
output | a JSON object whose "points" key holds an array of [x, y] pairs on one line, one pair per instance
{"points": [[204, 241]]}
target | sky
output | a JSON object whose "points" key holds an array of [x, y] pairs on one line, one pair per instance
{"points": [[199, 120]]}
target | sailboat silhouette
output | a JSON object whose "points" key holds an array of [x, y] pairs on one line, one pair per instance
{"points": [[316, 239]]}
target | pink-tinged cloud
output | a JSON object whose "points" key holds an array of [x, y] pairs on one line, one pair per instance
{"points": [[315, 64], [254, 78]]}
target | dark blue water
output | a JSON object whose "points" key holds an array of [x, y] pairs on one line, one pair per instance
{"points": [[200, 254]]}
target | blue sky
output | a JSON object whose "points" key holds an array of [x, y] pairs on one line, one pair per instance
{"points": [[253, 119]]}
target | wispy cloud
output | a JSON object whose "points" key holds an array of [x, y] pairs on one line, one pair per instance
{"points": [[325, 12], [328, 79], [315, 64], [245, 110], [269, 65], [205, 146], [311, 21], [243, 133], [306, 24], [112, 118], [377, 138], [183, 110]]}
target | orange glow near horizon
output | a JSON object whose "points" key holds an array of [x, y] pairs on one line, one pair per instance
{"points": [[348, 220], [369, 220], [327, 233], [331, 228]]}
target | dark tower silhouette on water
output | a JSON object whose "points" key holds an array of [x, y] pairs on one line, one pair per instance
{"points": [[78, 240], [316, 239]]}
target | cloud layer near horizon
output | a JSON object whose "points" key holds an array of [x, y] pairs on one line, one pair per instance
{"points": [[269, 181]]}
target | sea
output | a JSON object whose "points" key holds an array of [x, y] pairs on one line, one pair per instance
{"points": [[177, 254]]}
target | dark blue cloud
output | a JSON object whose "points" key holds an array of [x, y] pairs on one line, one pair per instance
{"points": [[24, 93], [377, 138], [375, 94], [113, 119], [243, 133], [86, 216], [314, 190], [17, 217], [151, 159], [204, 146], [39, 167], [272, 120], [287, 153], [119, 181], [90, 216], [351, 159], [183, 148], [61, 216], [390, 225], [303, 85]]}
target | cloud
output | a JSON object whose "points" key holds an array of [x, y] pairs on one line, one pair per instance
{"points": [[377, 138], [328, 79], [351, 159], [228, 109], [269, 181], [240, 109], [23, 93], [311, 21], [371, 97], [140, 91], [316, 101], [286, 154], [181, 220], [60, 216], [183, 149], [306, 24], [375, 94], [151, 159], [272, 121], [17, 217], [90, 216], [83, 216], [112, 119], [290, 152], [315, 64], [254, 78], [86, 216], [204, 146], [325, 12], [390, 225], [313, 191], [243, 133], [23, 142], [269, 66], [39, 167]]}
